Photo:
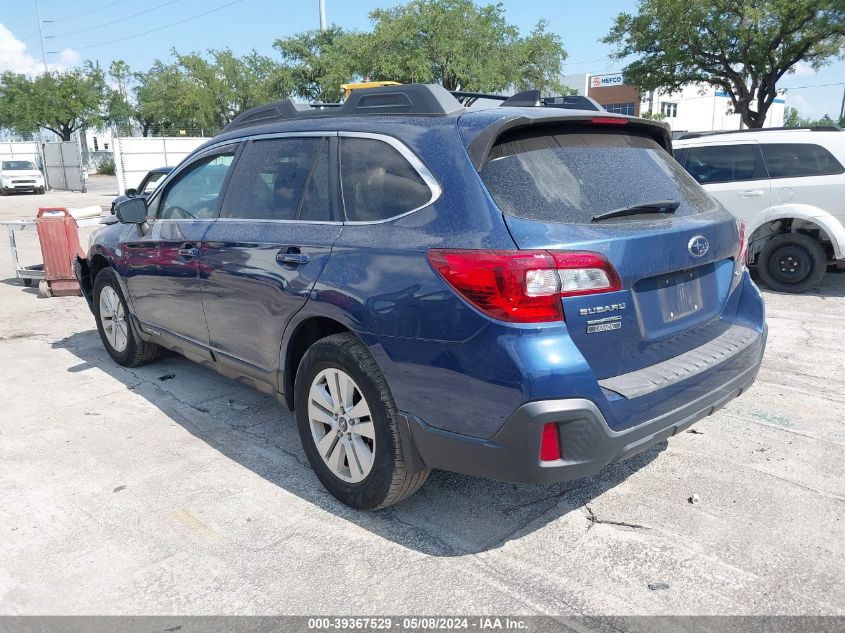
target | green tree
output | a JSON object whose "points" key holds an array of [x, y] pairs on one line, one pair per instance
{"points": [[62, 102], [226, 85], [458, 44], [166, 99], [742, 46], [316, 63], [791, 117]]}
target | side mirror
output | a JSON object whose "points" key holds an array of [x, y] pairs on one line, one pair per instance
{"points": [[131, 193], [132, 211]]}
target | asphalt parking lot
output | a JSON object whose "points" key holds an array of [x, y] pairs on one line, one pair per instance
{"points": [[168, 489]]}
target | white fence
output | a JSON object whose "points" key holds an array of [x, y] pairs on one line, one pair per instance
{"points": [[135, 156], [19, 150]]}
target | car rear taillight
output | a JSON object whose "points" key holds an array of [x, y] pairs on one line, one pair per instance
{"points": [[550, 443], [523, 286], [741, 261], [742, 256]]}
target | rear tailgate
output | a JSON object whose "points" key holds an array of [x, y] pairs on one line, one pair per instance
{"points": [[677, 269]]}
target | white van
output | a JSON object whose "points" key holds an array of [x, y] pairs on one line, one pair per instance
{"points": [[788, 185], [20, 175]]}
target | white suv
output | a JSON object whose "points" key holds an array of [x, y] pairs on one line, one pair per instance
{"points": [[788, 185]]}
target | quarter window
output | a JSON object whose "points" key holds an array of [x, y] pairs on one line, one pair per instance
{"points": [[793, 160], [378, 182], [724, 163], [195, 194], [281, 179]]}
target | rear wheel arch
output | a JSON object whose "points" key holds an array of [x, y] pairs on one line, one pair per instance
{"points": [[305, 334], [784, 226]]}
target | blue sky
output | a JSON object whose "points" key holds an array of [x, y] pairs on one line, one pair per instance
{"points": [[245, 24]]}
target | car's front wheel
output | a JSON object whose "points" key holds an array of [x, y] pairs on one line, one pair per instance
{"points": [[347, 422], [792, 263], [112, 315]]}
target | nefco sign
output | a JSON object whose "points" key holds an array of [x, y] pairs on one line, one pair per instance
{"points": [[607, 81]]}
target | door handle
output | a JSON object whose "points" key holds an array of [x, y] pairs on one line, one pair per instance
{"points": [[189, 252], [751, 193], [292, 257]]}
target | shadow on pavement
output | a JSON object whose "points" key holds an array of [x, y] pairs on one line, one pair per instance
{"points": [[832, 285], [14, 281], [452, 515]]}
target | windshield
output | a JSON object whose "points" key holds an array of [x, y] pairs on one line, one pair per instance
{"points": [[16, 165], [576, 173], [153, 182]]}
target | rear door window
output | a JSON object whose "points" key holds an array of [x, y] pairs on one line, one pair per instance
{"points": [[281, 179], [794, 160], [724, 163], [574, 174], [378, 182]]}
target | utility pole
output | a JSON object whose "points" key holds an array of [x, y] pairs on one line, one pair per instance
{"points": [[322, 15], [41, 34]]}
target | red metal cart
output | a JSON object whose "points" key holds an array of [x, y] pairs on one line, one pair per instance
{"points": [[59, 237]]}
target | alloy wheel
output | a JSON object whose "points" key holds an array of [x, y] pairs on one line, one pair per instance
{"points": [[113, 318], [341, 425]]}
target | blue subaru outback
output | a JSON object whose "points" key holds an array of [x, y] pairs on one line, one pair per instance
{"points": [[526, 293]]}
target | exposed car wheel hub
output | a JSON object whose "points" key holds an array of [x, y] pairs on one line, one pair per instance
{"points": [[341, 425], [790, 264]]}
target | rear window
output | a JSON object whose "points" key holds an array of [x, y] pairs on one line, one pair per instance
{"points": [[793, 160], [573, 175]]}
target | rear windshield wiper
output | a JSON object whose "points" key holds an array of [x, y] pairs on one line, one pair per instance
{"points": [[657, 206]]}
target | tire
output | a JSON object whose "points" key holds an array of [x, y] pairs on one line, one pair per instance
{"points": [[122, 343], [387, 481], [41, 191], [27, 282], [4, 191], [792, 263]]}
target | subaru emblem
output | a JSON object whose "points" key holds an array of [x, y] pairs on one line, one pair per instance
{"points": [[698, 246]]}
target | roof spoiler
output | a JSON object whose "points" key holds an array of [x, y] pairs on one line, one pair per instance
{"points": [[480, 146]]}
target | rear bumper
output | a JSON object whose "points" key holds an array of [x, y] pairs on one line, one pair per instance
{"points": [[587, 443]]}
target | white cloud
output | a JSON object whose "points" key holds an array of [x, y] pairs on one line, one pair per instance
{"points": [[798, 102], [15, 57], [802, 70]]}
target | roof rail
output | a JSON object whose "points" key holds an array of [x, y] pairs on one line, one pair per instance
{"points": [[408, 99], [531, 99], [812, 128]]}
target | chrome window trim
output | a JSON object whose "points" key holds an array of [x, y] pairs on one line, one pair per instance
{"points": [[422, 171]]}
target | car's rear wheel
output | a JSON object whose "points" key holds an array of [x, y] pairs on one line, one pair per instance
{"points": [[113, 323], [347, 422], [792, 263]]}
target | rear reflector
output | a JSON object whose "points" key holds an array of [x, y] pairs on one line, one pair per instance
{"points": [[609, 120], [524, 286], [550, 443]]}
